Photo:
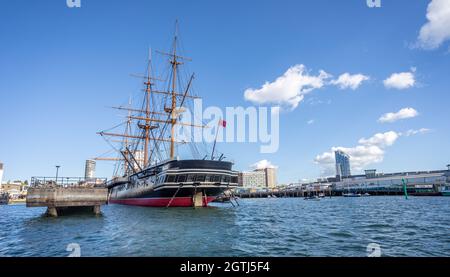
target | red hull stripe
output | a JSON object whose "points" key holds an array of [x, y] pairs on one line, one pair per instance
{"points": [[160, 202]]}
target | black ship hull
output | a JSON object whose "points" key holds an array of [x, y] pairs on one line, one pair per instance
{"points": [[169, 197], [184, 183]]}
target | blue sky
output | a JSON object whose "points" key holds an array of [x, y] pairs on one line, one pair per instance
{"points": [[61, 68]]}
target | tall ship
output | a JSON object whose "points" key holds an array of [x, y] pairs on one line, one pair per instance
{"points": [[149, 170]]}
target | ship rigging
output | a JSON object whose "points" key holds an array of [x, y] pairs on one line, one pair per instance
{"points": [[149, 171]]}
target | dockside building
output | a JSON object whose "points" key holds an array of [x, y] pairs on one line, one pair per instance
{"points": [[417, 182]]}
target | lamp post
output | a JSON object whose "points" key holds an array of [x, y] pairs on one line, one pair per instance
{"points": [[57, 170]]}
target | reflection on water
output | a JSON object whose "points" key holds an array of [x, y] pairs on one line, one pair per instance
{"points": [[258, 227]]}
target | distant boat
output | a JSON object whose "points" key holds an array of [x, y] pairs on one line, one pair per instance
{"points": [[312, 197], [366, 194], [445, 191], [321, 195], [351, 194]]}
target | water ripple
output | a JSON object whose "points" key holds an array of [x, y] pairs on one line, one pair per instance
{"points": [[258, 227]]}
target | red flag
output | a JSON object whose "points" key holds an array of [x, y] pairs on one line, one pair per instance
{"points": [[223, 123]]}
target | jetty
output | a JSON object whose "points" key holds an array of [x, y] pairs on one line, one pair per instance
{"points": [[67, 194], [331, 190], [283, 193]]}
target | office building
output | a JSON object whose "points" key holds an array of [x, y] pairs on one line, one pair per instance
{"points": [[89, 170], [258, 179], [425, 182], [271, 177], [372, 181], [342, 164], [253, 179]]}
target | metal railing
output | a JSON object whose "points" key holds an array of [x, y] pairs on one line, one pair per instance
{"points": [[67, 182]]}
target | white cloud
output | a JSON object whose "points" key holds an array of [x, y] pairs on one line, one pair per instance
{"points": [[437, 30], [401, 80], [309, 122], [263, 164], [326, 157], [288, 89], [346, 81], [367, 152], [380, 139], [401, 114], [360, 156], [416, 132]]}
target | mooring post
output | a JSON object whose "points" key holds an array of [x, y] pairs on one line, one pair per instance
{"points": [[51, 211], [97, 210]]}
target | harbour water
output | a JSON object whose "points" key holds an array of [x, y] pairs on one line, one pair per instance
{"points": [[419, 226]]}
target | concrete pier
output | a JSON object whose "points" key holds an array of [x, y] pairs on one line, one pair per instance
{"points": [[59, 199]]}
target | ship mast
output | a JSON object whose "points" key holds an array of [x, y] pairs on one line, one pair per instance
{"points": [[148, 90], [125, 140], [175, 64], [148, 113]]}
